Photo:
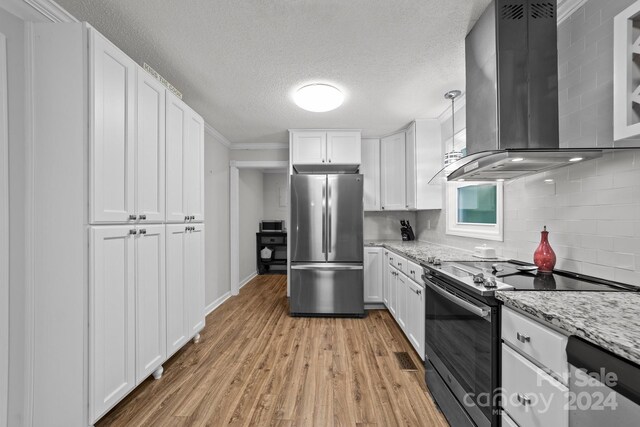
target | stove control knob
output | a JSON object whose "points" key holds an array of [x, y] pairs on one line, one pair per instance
{"points": [[431, 259], [490, 283], [437, 261], [478, 278]]}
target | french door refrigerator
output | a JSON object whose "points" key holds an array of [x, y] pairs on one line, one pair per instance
{"points": [[326, 245]]}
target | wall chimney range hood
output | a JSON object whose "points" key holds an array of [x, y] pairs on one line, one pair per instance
{"points": [[512, 95]]}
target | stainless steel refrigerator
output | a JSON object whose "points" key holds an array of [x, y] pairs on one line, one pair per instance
{"points": [[326, 245]]}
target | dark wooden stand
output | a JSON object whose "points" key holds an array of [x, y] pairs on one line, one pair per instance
{"points": [[277, 242]]}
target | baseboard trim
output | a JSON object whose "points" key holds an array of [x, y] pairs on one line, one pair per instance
{"points": [[247, 279], [374, 306], [217, 303]]}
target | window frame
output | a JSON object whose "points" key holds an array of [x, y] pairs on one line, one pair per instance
{"points": [[476, 231]]}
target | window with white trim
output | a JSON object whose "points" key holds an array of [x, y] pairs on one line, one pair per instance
{"points": [[475, 209]]}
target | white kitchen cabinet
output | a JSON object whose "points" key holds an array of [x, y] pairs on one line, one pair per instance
{"points": [[344, 148], [185, 162], [185, 284], [370, 169], [392, 172], [112, 326], [392, 288], [150, 149], [402, 312], [373, 274], [194, 279], [385, 278], [150, 285], [112, 151], [410, 166], [415, 316], [325, 149]]}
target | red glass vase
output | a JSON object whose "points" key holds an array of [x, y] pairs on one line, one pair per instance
{"points": [[544, 257]]}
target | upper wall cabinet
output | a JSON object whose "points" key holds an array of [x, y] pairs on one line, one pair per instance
{"points": [[185, 157], [370, 169], [408, 160], [112, 149], [325, 150]]}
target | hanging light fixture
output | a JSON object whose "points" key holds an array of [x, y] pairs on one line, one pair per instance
{"points": [[453, 155]]}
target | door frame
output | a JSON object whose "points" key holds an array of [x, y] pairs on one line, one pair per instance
{"points": [[4, 235], [234, 214]]}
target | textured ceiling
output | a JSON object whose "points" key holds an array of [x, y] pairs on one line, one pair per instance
{"points": [[237, 62]]}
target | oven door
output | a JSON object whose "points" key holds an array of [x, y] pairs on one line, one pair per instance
{"points": [[461, 343]]}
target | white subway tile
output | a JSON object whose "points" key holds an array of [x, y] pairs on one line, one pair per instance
{"points": [[598, 182], [616, 212], [627, 276], [587, 226], [630, 178], [596, 270], [617, 196], [626, 244], [615, 228], [598, 242], [616, 259]]}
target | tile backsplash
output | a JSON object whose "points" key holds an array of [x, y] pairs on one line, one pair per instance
{"points": [[591, 209], [386, 225]]}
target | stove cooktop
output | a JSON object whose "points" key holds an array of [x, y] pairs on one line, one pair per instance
{"points": [[513, 275]]}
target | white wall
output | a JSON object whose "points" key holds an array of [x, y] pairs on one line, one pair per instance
{"points": [[216, 198], [251, 212], [273, 185]]}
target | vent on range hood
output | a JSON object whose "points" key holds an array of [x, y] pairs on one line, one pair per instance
{"points": [[512, 95]]}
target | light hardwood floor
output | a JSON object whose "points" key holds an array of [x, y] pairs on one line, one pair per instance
{"points": [[257, 366]]}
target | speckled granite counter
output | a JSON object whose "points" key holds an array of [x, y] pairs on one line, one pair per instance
{"points": [[420, 251], [608, 319]]}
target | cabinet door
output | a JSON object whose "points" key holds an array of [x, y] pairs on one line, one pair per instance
{"points": [[309, 148], [194, 278], [385, 279], [402, 288], [344, 148], [410, 166], [415, 317], [177, 115], [392, 168], [177, 318], [373, 275], [151, 326], [150, 148], [112, 132], [370, 169], [393, 275], [111, 317], [194, 167]]}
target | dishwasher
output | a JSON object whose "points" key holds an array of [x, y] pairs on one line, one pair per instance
{"points": [[604, 388]]}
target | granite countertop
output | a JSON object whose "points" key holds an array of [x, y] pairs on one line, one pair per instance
{"points": [[420, 251], [610, 320]]}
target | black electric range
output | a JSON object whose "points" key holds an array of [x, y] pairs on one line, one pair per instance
{"points": [[462, 329]]}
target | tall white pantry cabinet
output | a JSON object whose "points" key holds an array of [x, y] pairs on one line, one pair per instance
{"points": [[117, 177]]}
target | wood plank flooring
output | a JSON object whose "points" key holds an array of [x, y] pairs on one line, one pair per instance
{"points": [[256, 366]]}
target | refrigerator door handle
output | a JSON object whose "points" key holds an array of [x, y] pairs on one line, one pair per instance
{"points": [[332, 267], [329, 230], [324, 218]]}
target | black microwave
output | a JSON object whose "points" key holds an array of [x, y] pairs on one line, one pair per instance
{"points": [[272, 225]]}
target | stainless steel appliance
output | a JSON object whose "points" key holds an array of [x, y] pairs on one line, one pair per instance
{"points": [[326, 245], [606, 387], [462, 329], [272, 225]]}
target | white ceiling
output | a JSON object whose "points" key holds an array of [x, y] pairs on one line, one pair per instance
{"points": [[237, 62]]}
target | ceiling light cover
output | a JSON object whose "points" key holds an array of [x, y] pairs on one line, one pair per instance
{"points": [[319, 98]]}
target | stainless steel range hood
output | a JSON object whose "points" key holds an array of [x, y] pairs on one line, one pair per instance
{"points": [[512, 95]]}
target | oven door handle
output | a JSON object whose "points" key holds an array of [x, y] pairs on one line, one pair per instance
{"points": [[478, 311]]}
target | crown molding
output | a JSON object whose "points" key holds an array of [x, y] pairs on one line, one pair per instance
{"points": [[216, 135], [51, 10], [566, 8], [260, 146]]}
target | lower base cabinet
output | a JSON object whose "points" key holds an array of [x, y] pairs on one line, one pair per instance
{"points": [[415, 314], [146, 301], [373, 274]]}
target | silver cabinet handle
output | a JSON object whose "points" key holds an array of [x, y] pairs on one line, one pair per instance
{"points": [[132, 217], [523, 338], [143, 231], [478, 311], [142, 216], [186, 218], [524, 399], [133, 231]]}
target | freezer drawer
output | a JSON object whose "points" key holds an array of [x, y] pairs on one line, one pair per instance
{"points": [[327, 290]]}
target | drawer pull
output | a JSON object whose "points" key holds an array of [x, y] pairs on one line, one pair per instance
{"points": [[523, 338], [524, 399]]}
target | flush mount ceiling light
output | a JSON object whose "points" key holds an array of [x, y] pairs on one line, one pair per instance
{"points": [[318, 98]]}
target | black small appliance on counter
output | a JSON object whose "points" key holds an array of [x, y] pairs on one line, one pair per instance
{"points": [[406, 231]]}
